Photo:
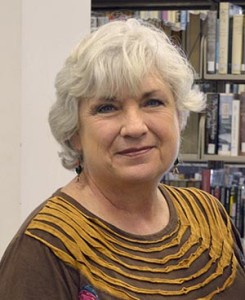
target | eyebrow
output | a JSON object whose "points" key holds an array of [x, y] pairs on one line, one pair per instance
{"points": [[107, 99], [143, 96]]}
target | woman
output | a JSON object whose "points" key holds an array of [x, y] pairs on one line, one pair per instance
{"points": [[123, 98]]}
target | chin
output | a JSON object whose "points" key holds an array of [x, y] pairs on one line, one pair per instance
{"points": [[141, 176]]}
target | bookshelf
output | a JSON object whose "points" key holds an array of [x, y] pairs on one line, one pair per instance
{"points": [[202, 76], [156, 4], [218, 77], [150, 5]]}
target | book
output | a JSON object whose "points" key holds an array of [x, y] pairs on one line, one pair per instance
{"points": [[239, 208], [227, 199], [190, 135], [211, 40], [233, 203], [235, 126], [225, 124], [243, 47], [237, 36], [222, 195], [242, 123], [212, 123], [206, 184], [226, 11], [193, 41], [183, 19], [217, 47]]}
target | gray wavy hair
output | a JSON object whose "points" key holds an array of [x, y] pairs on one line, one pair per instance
{"points": [[110, 60]]}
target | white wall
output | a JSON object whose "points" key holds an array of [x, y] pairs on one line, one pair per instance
{"points": [[10, 98], [41, 36]]}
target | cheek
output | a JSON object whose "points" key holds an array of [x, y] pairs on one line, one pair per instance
{"points": [[100, 135], [169, 127]]}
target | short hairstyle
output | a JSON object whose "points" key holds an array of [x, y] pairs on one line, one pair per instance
{"points": [[111, 59]]}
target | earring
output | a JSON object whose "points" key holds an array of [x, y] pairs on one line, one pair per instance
{"points": [[175, 168], [78, 170]]}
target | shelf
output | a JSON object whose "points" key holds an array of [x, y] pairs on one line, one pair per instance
{"points": [[199, 157], [189, 157], [218, 77], [150, 5], [157, 4], [227, 77], [193, 158], [226, 159]]}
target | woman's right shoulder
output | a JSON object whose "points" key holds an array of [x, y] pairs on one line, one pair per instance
{"points": [[29, 264]]}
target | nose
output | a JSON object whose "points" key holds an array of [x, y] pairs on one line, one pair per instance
{"points": [[134, 124]]}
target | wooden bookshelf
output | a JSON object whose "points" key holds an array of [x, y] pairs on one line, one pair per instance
{"points": [[157, 4], [218, 77], [108, 5], [150, 5]]}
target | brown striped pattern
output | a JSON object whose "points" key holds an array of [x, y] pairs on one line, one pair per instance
{"points": [[194, 256]]}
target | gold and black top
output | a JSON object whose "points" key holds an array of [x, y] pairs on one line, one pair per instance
{"points": [[196, 256]]}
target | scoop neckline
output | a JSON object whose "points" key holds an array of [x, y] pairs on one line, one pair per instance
{"points": [[173, 218]]}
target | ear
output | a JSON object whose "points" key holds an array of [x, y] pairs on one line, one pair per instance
{"points": [[76, 141]]}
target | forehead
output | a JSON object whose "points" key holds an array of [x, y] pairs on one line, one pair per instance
{"points": [[149, 85], [155, 82]]}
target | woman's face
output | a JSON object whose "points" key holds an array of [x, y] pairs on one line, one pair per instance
{"points": [[130, 138]]}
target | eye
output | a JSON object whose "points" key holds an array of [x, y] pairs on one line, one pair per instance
{"points": [[154, 102], [106, 108]]}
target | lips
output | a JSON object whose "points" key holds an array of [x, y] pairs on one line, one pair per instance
{"points": [[135, 151]]}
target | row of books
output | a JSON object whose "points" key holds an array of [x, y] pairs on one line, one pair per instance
{"points": [[226, 40], [226, 183], [225, 124], [223, 29], [230, 190], [184, 27], [177, 19]]}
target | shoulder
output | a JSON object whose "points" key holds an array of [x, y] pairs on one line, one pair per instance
{"points": [[29, 267], [205, 210], [199, 209], [193, 196]]}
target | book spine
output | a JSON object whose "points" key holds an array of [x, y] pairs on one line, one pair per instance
{"points": [[211, 40], [235, 128], [242, 123], [217, 47], [243, 47], [193, 44], [164, 15], [225, 124], [206, 175], [212, 123], [233, 203], [237, 35], [238, 219], [227, 199], [223, 37], [243, 213], [222, 195], [183, 19]]}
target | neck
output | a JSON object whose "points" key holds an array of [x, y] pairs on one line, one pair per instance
{"points": [[137, 208], [129, 196]]}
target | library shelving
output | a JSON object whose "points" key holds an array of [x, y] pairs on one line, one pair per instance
{"points": [[193, 148]]}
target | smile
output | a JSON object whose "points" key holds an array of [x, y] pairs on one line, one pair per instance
{"points": [[132, 152]]}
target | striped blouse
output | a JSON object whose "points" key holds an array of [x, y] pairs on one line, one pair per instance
{"points": [[196, 256]]}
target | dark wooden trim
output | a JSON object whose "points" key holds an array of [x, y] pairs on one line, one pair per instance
{"points": [[158, 4], [150, 5]]}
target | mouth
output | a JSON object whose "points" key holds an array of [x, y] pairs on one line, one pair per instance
{"points": [[135, 151]]}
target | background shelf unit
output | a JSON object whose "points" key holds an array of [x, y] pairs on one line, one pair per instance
{"points": [[157, 4], [218, 81]]}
